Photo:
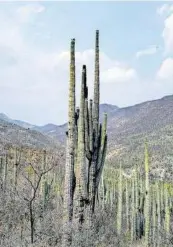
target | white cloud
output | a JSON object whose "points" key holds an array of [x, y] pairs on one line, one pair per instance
{"points": [[166, 11], [149, 51], [25, 12], [118, 74], [111, 70], [165, 71], [168, 34], [35, 82], [164, 75]]}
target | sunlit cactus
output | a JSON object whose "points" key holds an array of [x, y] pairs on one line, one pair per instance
{"points": [[147, 197], [70, 155], [120, 198], [5, 172], [85, 151], [167, 212]]}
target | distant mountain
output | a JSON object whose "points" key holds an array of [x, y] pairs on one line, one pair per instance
{"points": [[58, 131], [18, 122], [141, 118], [48, 128], [23, 124], [53, 130], [4, 117], [13, 134], [128, 128], [107, 108]]}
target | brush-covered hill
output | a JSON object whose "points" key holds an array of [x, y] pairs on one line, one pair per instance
{"points": [[128, 128], [58, 131], [53, 130], [13, 134]]}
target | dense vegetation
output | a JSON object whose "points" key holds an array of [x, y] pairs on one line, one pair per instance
{"points": [[81, 200]]}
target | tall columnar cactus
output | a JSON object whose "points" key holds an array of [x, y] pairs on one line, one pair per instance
{"points": [[81, 171], [162, 198], [154, 213], [158, 213], [18, 154], [142, 195], [96, 101], [133, 230], [96, 90], [102, 152], [5, 172], [167, 212], [120, 202], [146, 201], [85, 152], [70, 154], [43, 166], [91, 125], [127, 205], [1, 167], [15, 170], [102, 191], [147, 197], [136, 189]]}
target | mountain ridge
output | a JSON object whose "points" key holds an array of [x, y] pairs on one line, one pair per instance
{"points": [[128, 128], [104, 107]]}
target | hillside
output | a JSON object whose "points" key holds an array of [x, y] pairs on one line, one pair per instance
{"points": [[53, 130], [127, 129], [13, 134], [13, 121]]}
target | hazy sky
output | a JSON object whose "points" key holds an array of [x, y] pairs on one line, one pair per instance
{"points": [[136, 44]]}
